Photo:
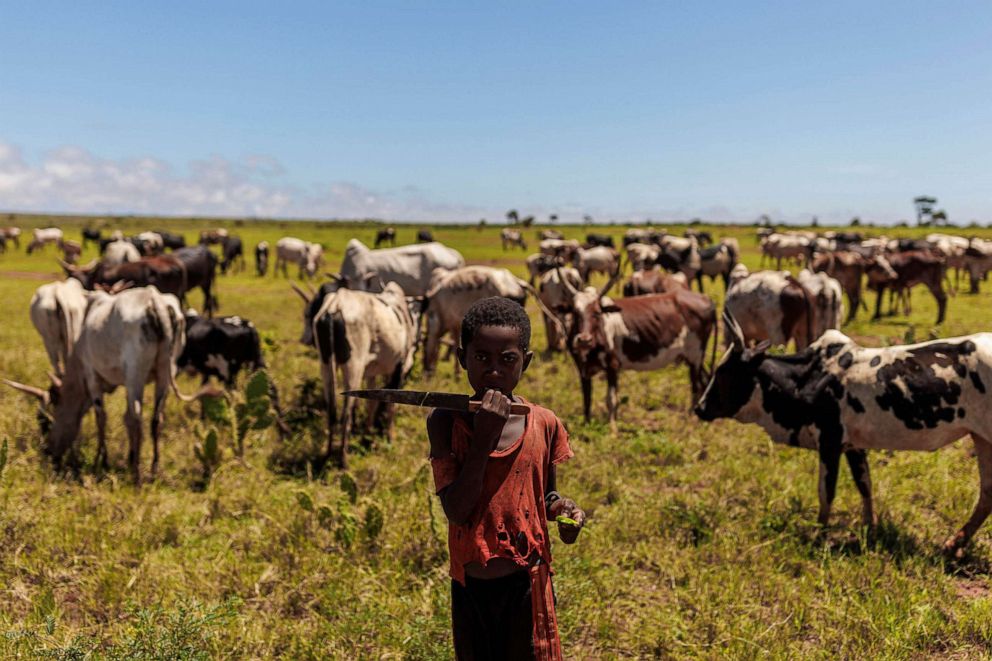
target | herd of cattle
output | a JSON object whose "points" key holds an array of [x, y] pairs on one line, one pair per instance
{"points": [[122, 320]]}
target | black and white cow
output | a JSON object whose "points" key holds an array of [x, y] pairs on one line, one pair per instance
{"points": [[837, 397], [220, 347], [262, 258]]}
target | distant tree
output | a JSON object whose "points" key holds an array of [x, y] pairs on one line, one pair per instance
{"points": [[587, 219], [553, 218], [512, 216], [764, 220], [902, 223], [527, 221], [855, 222], [816, 222], [482, 223], [695, 221], [924, 209], [939, 217]]}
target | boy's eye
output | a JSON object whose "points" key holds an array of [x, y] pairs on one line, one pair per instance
{"points": [[481, 357], [509, 358]]}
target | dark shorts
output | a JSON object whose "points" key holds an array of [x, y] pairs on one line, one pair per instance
{"points": [[491, 618]]}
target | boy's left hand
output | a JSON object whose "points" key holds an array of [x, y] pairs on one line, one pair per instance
{"points": [[566, 507]]}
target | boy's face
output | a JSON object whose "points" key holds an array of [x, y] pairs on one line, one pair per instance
{"points": [[494, 359]]}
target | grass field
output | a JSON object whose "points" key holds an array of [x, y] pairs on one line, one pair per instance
{"points": [[701, 542]]}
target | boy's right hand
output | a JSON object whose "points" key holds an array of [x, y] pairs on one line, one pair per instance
{"points": [[490, 418]]}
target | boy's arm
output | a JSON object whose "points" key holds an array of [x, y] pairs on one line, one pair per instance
{"points": [[460, 497]]}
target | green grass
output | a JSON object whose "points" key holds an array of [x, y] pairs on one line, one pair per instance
{"points": [[702, 540]]}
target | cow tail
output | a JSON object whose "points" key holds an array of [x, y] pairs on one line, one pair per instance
{"points": [[544, 308], [716, 341], [810, 311], [64, 329], [177, 327]]}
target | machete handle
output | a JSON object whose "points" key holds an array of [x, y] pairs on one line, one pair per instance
{"points": [[515, 409]]}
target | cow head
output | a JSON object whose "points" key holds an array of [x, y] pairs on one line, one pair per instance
{"points": [[314, 258], [85, 274], [60, 413], [588, 307], [311, 305], [879, 272], [734, 379]]}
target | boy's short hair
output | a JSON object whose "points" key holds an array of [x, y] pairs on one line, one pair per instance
{"points": [[496, 311]]}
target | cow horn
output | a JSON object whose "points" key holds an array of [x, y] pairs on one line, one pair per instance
{"points": [[565, 283], [609, 285], [303, 294], [120, 286], [67, 267], [733, 329], [336, 277], [55, 379], [31, 390]]}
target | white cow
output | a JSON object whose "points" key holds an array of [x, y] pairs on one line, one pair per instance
{"points": [[41, 237], [560, 299], [127, 340], [366, 336], [57, 312], [308, 256], [411, 267], [828, 297], [598, 259], [118, 252], [771, 305]]}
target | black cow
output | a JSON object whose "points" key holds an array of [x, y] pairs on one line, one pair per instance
{"points": [[599, 240], [233, 250], [384, 235], [201, 269], [90, 234], [220, 347], [171, 240], [424, 236]]}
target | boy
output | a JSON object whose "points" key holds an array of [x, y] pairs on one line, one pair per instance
{"points": [[495, 475]]}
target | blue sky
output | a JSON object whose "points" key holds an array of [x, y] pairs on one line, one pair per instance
{"points": [[456, 111]]}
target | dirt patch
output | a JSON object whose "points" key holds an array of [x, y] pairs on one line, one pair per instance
{"points": [[26, 275], [972, 588]]}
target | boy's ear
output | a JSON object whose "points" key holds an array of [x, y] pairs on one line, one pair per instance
{"points": [[528, 355], [460, 352]]}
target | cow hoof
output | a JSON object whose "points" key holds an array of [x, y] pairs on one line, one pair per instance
{"points": [[954, 548]]}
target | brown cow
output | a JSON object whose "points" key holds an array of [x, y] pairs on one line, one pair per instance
{"points": [[899, 272], [847, 268], [641, 333]]}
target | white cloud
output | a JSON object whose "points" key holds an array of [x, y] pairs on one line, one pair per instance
{"points": [[72, 179]]}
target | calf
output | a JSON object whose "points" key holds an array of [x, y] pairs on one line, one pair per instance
{"points": [[262, 258], [365, 335], [837, 397], [641, 333], [511, 237], [772, 306], [233, 254], [220, 347], [847, 268], [126, 340], [654, 281], [43, 236], [384, 235], [899, 272]]}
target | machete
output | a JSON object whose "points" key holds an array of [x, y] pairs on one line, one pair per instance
{"points": [[437, 400]]}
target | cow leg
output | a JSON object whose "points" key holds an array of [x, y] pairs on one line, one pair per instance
{"points": [[132, 421], [158, 417], [955, 545], [353, 373], [941, 297], [878, 303], [854, 298], [857, 461], [551, 332], [432, 345], [829, 467], [100, 413], [612, 399], [586, 396]]}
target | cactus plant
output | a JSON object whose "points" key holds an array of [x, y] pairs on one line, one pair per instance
{"points": [[208, 452]]}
